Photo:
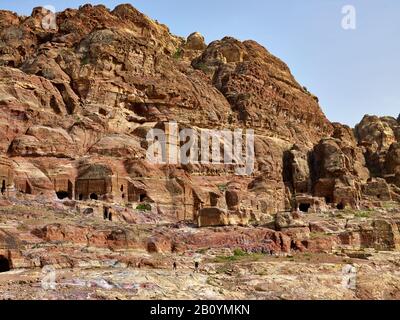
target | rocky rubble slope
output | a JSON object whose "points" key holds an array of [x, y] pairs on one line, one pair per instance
{"points": [[75, 254]]}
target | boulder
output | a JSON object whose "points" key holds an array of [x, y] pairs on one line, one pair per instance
{"points": [[195, 41], [286, 220], [159, 245], [213, 217]]}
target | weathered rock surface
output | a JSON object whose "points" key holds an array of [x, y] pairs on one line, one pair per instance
{"points": [[76, 106], [89, 91]]}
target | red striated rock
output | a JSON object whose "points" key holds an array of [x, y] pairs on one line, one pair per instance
{"points": [[159, 245], [88, 235], [255, 240], [380, 234], [58, 232], [324, 244]]}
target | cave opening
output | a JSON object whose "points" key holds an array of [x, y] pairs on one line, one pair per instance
{"points": [[142, 197], [328, 199], [304, 207], [28, 188], [62, 195], [94, 196], [4, 264], [341, 206]]}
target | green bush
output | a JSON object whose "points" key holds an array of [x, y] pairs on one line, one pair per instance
{"points": [[222, 187], [362, 214], [203, 67], [239, 253], [144, 207], [178, 54], [85, 60]]}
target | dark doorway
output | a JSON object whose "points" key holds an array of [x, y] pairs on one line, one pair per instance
{"points": [[28, 189], [328, 200], [142, 197], [110, 216], [341, 206], [94, 196], [3, 187], [304, 207], [122, 188], [62, 195], [214, 199], [81, 197], [70, 190], [106, 213], [4, 264]]}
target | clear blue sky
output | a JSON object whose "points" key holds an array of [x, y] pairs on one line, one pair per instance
{"points": [[353, 72]]}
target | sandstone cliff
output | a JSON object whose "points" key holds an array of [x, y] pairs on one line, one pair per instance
{"points": [[77, 102]]}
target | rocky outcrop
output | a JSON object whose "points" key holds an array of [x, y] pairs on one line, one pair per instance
{"points": [[215, 217], [261, 90], [380, 234], [376, 135], [41, 141], [87, 235], [392, 161], [331, 173]]}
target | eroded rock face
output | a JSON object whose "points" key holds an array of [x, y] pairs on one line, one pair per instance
{"points": [[392, 161], [297, 170], [261, 90], [376, 135], [215, 217], [380, 234], [338, 168], [87, 235], [286, 221], [88, 92], [378, 189], [41, 141], [76, 105], [78, 101], [195, 42]]}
